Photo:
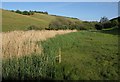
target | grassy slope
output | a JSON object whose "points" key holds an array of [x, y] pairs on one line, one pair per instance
{"points": [[13, 21], [85, 55], [47, 18]]}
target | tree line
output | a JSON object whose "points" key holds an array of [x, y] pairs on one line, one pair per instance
{"points": [[105, 23], [28, 12]]}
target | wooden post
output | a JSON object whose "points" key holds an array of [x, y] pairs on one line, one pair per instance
{"points": [[59, 55]]}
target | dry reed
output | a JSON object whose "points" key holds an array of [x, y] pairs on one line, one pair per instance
{"points": [[19, 43]]}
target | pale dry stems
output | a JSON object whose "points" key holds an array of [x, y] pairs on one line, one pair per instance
{"points": [[20, 43]]}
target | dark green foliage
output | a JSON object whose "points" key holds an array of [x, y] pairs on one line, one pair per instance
{"points": [[29, 12], [99, 26], [41, 12], [18, 11], [62, 24], [25, 13], [33, 27], [105, 23]]}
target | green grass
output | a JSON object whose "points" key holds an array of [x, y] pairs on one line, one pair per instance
{"points": [[13, 21], [85, 56]]}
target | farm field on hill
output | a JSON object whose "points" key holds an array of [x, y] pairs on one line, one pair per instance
{"points": [[85, 55]]}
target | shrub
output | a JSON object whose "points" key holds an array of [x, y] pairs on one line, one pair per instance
{"points": [[18, 11], [59, 24], [107, 24], [33, 27], [98, 26], [62, 24]]}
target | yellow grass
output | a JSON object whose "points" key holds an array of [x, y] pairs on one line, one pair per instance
{"points": [[19, 43]]}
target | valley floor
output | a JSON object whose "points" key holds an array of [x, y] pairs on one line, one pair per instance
{"points": [[84, 55]]}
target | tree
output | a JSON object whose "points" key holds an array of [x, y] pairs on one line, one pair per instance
{"points": [[103, 19], [18, 11], [25, 13], [31, 12]]}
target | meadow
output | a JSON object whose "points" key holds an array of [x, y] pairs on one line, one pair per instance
{"points": [[12, 21], [85, 55], [50, 47]]}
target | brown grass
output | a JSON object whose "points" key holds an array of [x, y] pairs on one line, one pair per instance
{"points": [[19, 43]]}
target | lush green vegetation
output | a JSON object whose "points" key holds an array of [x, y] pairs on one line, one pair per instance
{"points": [[62, 23], [105, 23], [23, 20], [14, 21], [28, 12], [85, 55]]}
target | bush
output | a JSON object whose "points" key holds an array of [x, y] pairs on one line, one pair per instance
{"points": [[107, 24], [99, 26], [59, 24], [114, 23], [62, 24], [33, 27], [18, 11]]}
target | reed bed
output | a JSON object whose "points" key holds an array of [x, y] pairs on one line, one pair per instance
{"points": [[20, 43]]}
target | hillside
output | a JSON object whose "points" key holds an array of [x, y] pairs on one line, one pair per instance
{"points": [[14, 21]]}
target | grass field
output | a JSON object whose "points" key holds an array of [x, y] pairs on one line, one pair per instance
{"points": [[85, 55], [13, 21]]}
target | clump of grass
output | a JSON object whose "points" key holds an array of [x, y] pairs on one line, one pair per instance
{"points": [[34, 67]]}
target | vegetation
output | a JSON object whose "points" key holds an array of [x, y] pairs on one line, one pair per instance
{"points": [[90, 52], [63, 23], [105, 23], [13, 21], [85, 56], [28, 12], [20, 43]]}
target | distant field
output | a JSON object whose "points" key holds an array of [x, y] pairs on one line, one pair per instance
{"points": [[13, 21], [85, 55]]}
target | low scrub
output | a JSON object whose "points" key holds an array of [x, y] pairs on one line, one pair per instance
{"points": [[62, 24]]}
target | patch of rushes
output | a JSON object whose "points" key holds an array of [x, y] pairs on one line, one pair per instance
{"points": [[19, 43]]}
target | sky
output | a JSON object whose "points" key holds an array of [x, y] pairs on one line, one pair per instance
{"points": [[87, 11], [60, 0]]}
